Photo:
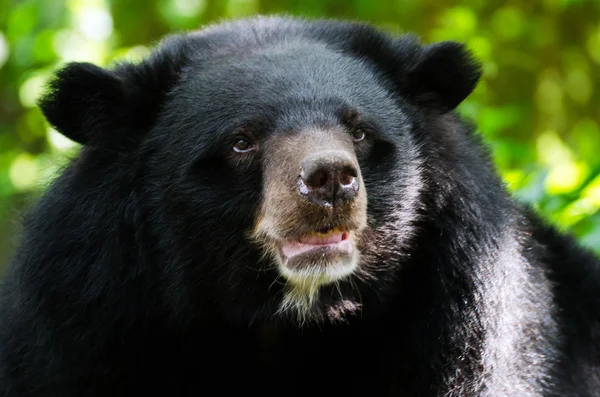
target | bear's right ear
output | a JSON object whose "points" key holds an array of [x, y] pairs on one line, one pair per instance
{"points": [[438, 76], [91, 105], [81, 99]]}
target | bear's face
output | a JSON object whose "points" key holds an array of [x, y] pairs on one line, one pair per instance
{"points": [[275, 150], [280, 159]]}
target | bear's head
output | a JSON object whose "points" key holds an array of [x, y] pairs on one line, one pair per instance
{"points": [[276, 162]]}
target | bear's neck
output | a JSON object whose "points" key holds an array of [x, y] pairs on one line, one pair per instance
{"points": [[467, 300]]}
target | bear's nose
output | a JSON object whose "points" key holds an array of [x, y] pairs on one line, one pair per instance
{"points": [[328, 178]]}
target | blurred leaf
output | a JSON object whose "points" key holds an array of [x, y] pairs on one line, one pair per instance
{"points": [[4, 50], [552, 150], [241, 8], [593, 45], [579, 86], [182, 14], [31, 89], [21, 20], [458, 23], [494, 119], [43, 50], [566, 177], [586, 137], [514, 179], [23, 172], [532, 190], [576, 211], [592, 192], [508, 22]]}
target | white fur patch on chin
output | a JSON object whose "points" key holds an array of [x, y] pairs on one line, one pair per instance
{"points": [[320, 275], [303, 285]]}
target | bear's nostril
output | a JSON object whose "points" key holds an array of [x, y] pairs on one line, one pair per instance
{"points": [[318, 179], [347, 176]]}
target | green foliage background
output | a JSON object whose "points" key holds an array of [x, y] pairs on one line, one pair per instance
{"points": [[538, 104]]}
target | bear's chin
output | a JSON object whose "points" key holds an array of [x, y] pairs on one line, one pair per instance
{"points": [[311, 263]]}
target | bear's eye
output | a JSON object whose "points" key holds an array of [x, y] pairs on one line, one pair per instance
{"points": [[358, 134], [243, 145]]}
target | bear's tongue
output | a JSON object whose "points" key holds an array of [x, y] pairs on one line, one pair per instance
{"points": [[337, 239]]}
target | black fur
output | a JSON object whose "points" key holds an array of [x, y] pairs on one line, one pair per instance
{"points": [[135, 278]]}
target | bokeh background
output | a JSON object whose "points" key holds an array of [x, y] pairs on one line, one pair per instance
{"points": [[538, 104]]}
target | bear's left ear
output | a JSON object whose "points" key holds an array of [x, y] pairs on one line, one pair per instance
{"points": [[96, 106], [441, 75]]}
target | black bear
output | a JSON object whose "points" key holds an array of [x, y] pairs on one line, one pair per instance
{"points": [[280, 206]]}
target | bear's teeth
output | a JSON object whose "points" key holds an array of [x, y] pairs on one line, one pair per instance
{"points": [[332, 237]]}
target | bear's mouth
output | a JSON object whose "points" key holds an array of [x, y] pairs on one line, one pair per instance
{"points": [[334, 239], [319, 257]]}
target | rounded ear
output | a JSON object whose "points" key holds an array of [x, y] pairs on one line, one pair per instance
{"points": [[92, 106], [438, 76], [81, 98], [442, 75]]}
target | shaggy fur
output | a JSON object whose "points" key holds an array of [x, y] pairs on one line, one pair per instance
{"points": [[141, 273]]}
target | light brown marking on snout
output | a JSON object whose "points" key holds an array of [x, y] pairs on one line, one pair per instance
{"points": [[312, 184], [285, 212]]}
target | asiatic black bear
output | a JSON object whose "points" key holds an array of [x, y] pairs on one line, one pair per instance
{"points": [[278, 206]]}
